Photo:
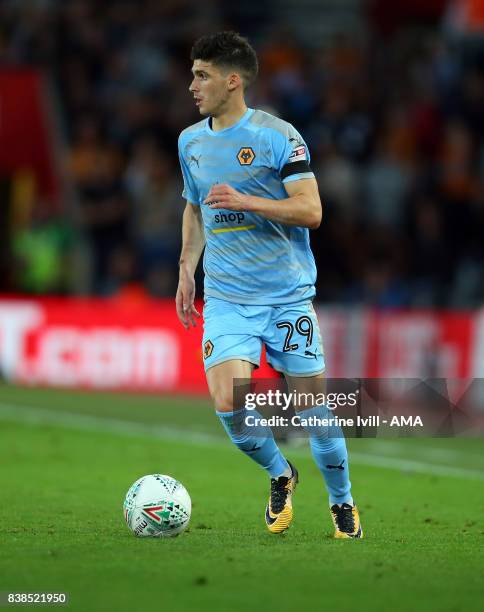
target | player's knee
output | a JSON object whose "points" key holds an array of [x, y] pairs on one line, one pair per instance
{"points": [[223, 399]]}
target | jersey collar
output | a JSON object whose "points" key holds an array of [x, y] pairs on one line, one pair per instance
{"points": [[245, 117]]}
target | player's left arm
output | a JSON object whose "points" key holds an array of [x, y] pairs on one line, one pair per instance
{"points": [[302, 207]]}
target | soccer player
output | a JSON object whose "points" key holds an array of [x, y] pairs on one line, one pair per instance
{"points": [[251, 199]]}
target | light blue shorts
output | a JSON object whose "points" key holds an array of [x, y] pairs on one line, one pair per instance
{"points": [[290, 333]]}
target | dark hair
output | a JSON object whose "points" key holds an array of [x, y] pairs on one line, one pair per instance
{"points": [[227, 50]]}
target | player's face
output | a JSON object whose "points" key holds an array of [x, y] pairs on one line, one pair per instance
{"points": [[209, 88]]}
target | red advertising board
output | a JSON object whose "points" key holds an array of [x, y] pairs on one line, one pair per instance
{"points": [[111, 344], [99, 344]]}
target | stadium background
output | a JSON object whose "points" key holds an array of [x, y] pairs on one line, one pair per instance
{"points": [[390, 101], [93, 95]]}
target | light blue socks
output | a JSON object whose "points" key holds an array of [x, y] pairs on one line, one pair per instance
{"points": [[328, 447], [257, 442], [327, 444]]}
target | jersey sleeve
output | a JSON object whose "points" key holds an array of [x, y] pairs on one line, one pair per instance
{"points": [[190, 191], [291, 155]]}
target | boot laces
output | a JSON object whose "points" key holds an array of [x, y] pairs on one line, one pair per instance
{"points": [[344, 517], [279, 492]]}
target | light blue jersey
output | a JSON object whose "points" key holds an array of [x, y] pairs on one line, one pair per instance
{"points": [[249, 259]]}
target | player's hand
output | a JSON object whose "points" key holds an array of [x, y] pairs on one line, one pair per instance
{"points": [[185, 296], [225, 196]]}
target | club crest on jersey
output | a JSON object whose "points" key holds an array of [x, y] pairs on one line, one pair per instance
{"points": [[246, 156], [207, 349], [298, 154]]}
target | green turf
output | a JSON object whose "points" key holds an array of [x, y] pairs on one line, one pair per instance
{"points": [[61, 524]]}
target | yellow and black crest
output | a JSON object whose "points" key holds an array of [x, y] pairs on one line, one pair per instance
{"points": [[207, 349], [246, 156]]}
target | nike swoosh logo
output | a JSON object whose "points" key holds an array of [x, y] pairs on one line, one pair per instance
{"points": [[269, 519]]}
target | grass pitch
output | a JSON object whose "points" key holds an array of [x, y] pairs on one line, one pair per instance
{"points": [[67, 460]]}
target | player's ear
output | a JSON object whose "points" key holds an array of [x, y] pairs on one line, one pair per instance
{"points": [[234, 81]]}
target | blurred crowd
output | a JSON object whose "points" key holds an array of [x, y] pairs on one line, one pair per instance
{"points": [[395, 127]]}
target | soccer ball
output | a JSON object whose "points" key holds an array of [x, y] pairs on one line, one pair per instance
{"points": [[157, 506]]}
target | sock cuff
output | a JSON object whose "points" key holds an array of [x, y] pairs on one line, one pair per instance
{"points": [[222, 413], [321, 424], [319, 411]]}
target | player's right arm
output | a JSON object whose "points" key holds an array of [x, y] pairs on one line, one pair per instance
{"points": [[193, 242]]}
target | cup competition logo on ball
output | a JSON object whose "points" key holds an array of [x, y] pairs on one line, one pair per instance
{"points": [[157, 506]]}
